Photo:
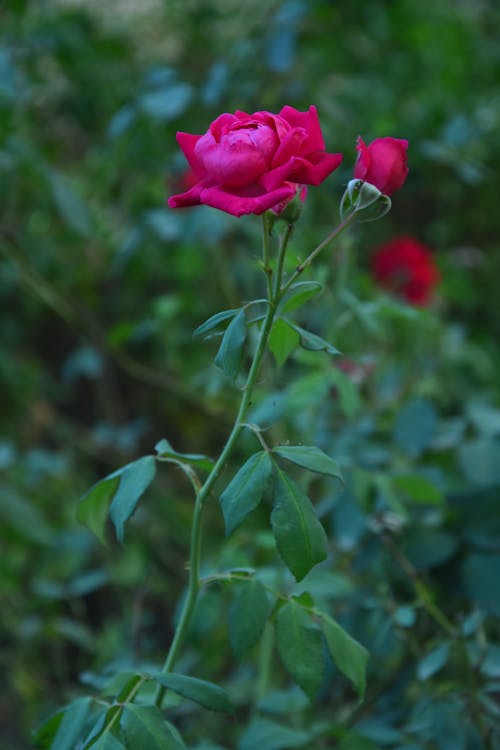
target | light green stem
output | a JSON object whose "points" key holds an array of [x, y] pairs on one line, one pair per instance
{"points": [[195, 547], [329, 238]]}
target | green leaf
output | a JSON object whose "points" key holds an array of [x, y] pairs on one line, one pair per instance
{"points": [[300, 647], [349, 655], [282, 341], [230, 352], [143, 727], [481, 581], [415, 426], [417, 488], [215, 321], [311, 341], [70, 206], [433, 662], [107, 741], [205, 693], [300, 538], [134, 480], [300, 293], [166, 452], [93, 507], [247, 616], [72, 725], [244, 492], [309, 457], [265, 734], [47, 730]]}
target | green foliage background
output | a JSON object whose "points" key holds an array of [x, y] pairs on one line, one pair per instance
{"points": [[101, 288]]}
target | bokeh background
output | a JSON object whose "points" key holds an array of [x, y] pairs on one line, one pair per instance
{"points": [[101, 287]]}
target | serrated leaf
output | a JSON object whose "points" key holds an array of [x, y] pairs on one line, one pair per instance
{"points": [[300, 647], [349, 655], [247, 616], [135, 478], [300, 537], [92, 509], [165, 452], [230, 352], [300, 293], [312, 341], [282, 341], [72, 724], [205, 693], [269, 735], [145, 727], [214, 321], [310, 457], [244, 492]]}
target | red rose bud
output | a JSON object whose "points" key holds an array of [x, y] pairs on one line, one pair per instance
{"points": [[406, 267], [383, 163], [249, 164]]}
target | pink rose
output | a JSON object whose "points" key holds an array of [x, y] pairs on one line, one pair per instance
{"points": [[407, 268], [383, 163], [248, 164]]}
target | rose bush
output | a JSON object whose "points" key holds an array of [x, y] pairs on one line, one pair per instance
{"points": [[251, 163], [407, 268], [382, 163]]}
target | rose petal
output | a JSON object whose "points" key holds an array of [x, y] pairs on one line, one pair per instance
{"points": [[241, 203], [309, 121], [310, 171], [187, 142], [189, 198]]}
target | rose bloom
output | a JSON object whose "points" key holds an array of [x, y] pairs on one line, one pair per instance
{"points": [[407, 268], [383, 163], [251, 163]]}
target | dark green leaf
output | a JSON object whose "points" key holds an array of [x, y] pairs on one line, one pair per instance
{"points": [[247, 616], [300, 537], [71, 208], [349, 655], [482, 581], [433, 662], [300, 647], [144, 728], [93, 507], [415, 426], [282, 341], [107, 741], [230, 352], [205, 693], [418, 488], [265, 734], [309, 457], [428, 547], [215, 320], [165, 451], [72, 725], [346, 391], [313, 342], [244, 492], [135, 478], [46, 732], [300, 293]]}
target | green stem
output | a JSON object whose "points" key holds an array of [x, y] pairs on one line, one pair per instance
{"points": [[204, 492], [307, 262]]}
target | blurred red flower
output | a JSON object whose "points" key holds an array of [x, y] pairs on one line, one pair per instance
{"points": [[406, 267]]}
